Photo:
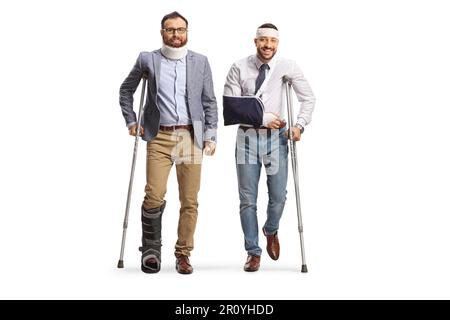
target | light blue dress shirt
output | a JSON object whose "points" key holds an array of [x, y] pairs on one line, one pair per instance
{"points": [[172, 100]]}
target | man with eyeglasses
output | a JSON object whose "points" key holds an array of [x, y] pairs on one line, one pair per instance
{"points": [[262, 75], [179, 124]]}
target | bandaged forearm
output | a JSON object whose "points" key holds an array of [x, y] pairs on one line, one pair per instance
{"points": [[268, 117]]}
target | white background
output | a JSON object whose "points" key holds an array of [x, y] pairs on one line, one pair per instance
{"points": [[373, 163]]}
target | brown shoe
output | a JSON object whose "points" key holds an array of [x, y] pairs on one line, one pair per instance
{"points": [[252, 263], [273, 245], [183, 265]]}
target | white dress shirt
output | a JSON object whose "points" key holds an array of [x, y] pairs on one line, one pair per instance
{"points": [[241, 81]]}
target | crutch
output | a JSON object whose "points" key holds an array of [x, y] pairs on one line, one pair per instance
{"points": [[133, 165], [293, 147]]}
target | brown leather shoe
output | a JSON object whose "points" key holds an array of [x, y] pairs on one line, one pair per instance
{"points": [[273, 245], [252, 263], [183, 265]]}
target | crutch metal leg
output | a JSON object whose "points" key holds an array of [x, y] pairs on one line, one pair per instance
{"points": [[293, 147], [133, 165]]}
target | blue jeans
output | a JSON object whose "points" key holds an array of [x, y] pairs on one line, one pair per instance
{"points": [[253, 149]]}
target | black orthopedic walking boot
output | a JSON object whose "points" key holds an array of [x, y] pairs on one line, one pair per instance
{"points": [[151, 239]]}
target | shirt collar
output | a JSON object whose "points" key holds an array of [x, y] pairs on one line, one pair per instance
{"points": [[259, 63], [181, 60]]}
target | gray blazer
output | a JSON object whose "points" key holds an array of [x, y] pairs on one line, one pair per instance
{"points": [[201, 100]]}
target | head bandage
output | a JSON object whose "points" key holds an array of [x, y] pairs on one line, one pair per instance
{"points": [[267, 32]]}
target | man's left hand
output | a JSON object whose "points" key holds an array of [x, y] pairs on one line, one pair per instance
{"points": [[209, 148], [295, 133]]}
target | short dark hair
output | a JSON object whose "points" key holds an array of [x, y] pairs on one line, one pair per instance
{"points": [[268, 25], [172, 15]]}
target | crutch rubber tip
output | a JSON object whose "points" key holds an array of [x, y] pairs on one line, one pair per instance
{"points": [[120, 264], [304, 268]]}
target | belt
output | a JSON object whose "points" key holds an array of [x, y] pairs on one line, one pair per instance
{"points": [[245, 128], [173, 128]]}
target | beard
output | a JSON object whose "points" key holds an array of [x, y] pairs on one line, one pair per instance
{"points": [[265, 55], [175, 42]]}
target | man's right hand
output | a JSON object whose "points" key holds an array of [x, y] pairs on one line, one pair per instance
{"points": [[132, 130], [276, 123]]}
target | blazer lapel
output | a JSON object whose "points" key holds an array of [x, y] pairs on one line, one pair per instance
{"points": [[157, 67], [190, 67]]}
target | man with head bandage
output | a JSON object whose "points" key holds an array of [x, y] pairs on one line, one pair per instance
{"points": [[261, 76]]}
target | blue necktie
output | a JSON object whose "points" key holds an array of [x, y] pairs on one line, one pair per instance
{"points": [[261, 76]]}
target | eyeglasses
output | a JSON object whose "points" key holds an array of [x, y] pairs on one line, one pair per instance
{"points": [[172, 30]]}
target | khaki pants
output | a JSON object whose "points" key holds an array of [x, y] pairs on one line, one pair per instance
{"points": [[167, 148]]}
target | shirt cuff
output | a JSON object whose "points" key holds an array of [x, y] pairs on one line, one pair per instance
{"points": [[129, 125], [210, 135], [301, 122]]}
